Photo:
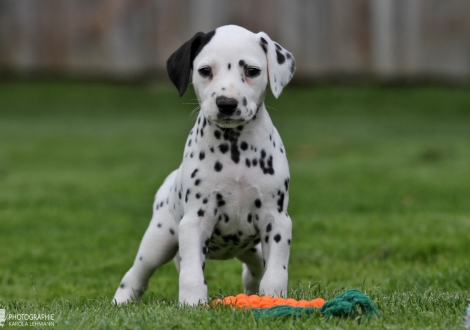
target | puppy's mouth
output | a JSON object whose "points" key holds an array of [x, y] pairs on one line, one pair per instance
{"points": [[229, 122]]}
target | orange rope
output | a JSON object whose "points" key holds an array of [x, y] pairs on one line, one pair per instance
{"points": [[241, 301]]}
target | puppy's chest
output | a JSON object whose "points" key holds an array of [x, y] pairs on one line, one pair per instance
{"points": [[229, 177], [233, 156]]}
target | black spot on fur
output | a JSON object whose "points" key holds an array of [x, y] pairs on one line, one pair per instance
{"points": [[249, 219], [217, 134], [202, 155], [229, 66], [247, 162], [288, 241], [218, 166], [264, 44], [159, 225], [258, 203], [203, 126], [244, 103], [267, 166], [269, 227], [198, 195], [280, 203], [277, 238], [223, 148], [280, 57], [232, 136], [220, 200], [122, 286], [200, 212], [241, 63], [286, 184], [244, 145], [172, 231], [292, 66], [234, 238], [235, 153], [197, 182]]}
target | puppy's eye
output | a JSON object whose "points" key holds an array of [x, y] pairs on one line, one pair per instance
{"points": [[252, 72], [205, 71]]}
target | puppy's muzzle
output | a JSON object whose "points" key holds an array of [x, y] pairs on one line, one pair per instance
{"points": [[226, 105]]}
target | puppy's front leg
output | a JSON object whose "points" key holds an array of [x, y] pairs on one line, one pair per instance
{"points": [[276, 236], [194, 235]]}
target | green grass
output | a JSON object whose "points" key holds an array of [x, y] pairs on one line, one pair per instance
{"points": [[380, 199]]}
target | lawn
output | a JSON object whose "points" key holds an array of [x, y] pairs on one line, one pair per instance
{"points": [[380, 201]]}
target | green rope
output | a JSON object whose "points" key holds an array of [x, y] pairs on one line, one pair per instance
{"points": [[282, 310], [345, 305]]}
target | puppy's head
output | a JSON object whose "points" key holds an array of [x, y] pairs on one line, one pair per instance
{"points": [[231, 69]]}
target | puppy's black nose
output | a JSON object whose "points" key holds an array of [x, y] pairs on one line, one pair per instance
{"points": [[226, 105]]}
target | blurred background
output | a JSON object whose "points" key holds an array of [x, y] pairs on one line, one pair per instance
{"points": [[404, 40]]}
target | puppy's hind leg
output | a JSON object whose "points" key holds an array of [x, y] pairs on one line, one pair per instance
{"points": [[159, 245], [252, 269]]}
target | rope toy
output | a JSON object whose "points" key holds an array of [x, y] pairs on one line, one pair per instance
{"points": [[347, 304]]}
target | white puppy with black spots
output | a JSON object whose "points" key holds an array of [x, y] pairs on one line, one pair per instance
{"points": [[228, 199]]}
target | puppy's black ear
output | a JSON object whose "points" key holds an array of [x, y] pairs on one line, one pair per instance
{"points": [[180, 63]]}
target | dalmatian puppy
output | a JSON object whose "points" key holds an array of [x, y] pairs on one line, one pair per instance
{"points": [[228, 199]]}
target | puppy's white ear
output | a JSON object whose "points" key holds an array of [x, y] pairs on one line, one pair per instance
{"points": [[281, 63]]}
